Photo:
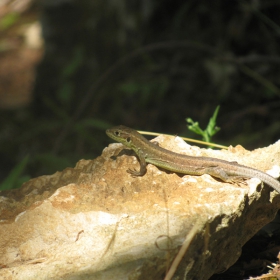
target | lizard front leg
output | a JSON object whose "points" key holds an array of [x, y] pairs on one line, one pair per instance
{"points": [[143, 165]]}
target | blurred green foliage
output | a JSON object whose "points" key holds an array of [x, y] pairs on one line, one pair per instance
{"points": [[15, 178], [8, 20]]}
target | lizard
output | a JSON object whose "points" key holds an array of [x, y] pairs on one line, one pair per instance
{"points": [[149, 152]]}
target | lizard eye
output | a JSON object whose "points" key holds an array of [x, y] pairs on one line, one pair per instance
{"points": [[128, 139], [117, 133]]}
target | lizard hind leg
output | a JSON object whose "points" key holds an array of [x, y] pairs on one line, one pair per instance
{"points": [[238, 180], [224, 176]]}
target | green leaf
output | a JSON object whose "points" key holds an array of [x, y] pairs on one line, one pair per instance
{"points": [[194, 127], [212, 129]]}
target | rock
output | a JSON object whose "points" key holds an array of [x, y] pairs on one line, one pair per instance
{"points": [[95, 221]]}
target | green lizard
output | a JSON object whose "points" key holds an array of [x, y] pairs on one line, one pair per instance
{"points": [[149, 152]]}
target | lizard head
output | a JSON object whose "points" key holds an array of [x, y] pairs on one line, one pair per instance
{"points": [[122, 134]]}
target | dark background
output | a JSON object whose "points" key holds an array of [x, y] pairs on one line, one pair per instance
{"points": [[147, 65]]}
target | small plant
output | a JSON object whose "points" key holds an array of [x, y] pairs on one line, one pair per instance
{"points": [[210, 130]]}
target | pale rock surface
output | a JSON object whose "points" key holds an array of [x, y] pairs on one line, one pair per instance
{"points": [[95, 221]]}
